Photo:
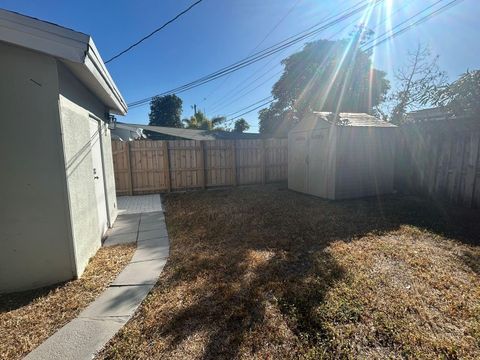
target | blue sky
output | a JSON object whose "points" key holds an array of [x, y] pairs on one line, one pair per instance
{"points": [[217, 33]]}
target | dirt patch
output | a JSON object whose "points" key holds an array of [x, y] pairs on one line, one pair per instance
{"points": [[262, 272], [30, 317]]}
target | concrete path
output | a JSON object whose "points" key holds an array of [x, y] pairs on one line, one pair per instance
{"points": [[84, 336], [138, 204]]}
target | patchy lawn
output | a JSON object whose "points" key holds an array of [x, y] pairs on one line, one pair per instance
{"points": [[30, 317], [262, 272]]}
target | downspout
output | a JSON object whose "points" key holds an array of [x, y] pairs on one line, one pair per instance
{"points": [[105, 189]]}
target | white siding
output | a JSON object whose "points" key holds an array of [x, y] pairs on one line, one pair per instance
{"points": [[78, 109], [35, 242]]}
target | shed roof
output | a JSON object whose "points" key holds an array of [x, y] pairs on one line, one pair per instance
{"points": [[431, 114], [320, 119], [75, 49], [192, 134]]}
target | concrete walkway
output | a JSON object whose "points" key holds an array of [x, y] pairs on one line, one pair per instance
{"points": [[84, 336]]}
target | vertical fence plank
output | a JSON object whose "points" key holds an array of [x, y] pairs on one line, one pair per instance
{"points": [[201, 164], [129, 168], [262, 159], [233, 149], [166, 166]]}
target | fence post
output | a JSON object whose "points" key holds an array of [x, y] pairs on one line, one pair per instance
{"points": [[203, 177], [233, 149], [129, 168], [166, 165], [262, 149]]}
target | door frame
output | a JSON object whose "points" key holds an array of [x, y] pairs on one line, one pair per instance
{"points": [[100, 122]]}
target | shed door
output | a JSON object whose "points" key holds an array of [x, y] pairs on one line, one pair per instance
{"points": [[97, 176], [297, 162], [320, 163]]}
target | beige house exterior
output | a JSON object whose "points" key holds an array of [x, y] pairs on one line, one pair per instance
{"points": [[57, 193], [350, 158]]}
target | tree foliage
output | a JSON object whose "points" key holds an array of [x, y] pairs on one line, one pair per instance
{"points": [[241, 125], [416, 83], [333, 76], [462, 97], [166, 111], [200, 121]]}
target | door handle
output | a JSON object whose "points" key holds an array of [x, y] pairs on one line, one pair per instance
{"points": [[96, 177]]}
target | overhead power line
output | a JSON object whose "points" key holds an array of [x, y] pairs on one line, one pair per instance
{"points": [[261, 54], [376, 42], [257, 46], [249, 106], [231, 99], [154, 31], [249, 111], [241, 94]]}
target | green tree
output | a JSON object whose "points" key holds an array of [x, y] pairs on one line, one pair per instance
{"points": [[166, 111], [241, 125], [462, 97], [415, 83], [198, 121], [218, 122], [333, 76], [201, 122]]}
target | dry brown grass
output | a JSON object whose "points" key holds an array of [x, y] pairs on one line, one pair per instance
{"points": [[266, 273], [30, 317]]}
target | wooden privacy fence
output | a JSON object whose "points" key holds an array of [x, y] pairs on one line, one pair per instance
{"points": [[150, 166], [440, 159]]}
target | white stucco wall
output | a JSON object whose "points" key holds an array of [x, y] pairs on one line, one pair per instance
{"points": [[35, 238], [109, 174], [77, 105]]}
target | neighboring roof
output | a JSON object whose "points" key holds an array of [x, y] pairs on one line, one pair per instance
{"points": [[356, 119], [191, 134], [124, 132], [77, 50], [437, 113], [321, 120]]}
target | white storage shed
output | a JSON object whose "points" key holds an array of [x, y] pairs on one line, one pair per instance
{"points": [[349, 156]]}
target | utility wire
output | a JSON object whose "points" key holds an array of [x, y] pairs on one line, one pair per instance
{"points": [[249, 111], [392, 35], [238, 96], [259, 55], [249, 106], [154, 31], [389, 37], [222, 103], [258, 45]]}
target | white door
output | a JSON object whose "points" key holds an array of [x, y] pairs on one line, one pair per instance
{"points": [[319, 162], [97, 176], [297, 161]]}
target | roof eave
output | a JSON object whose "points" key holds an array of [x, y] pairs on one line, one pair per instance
{"points": [[75, 49], [97, 67]]}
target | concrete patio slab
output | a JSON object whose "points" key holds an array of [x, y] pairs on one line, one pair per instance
{"points": [[160, 224], [152, 234], [140, 273], [139, 204], [116, 301], [91, 335], [151, 250], [152, 217], [118, 239], [86, 335]]}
